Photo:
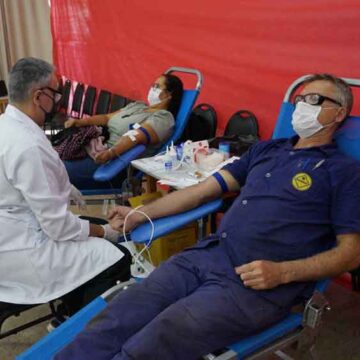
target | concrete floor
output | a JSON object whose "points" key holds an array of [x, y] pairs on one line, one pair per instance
{"points": [[339, 338]]}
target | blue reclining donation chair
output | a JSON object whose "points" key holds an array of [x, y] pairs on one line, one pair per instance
{"points": [[109, 170], [292, 326], [294, 329]]}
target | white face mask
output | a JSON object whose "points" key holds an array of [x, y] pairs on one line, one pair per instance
{"points": [[305, 119], [153, 96]]}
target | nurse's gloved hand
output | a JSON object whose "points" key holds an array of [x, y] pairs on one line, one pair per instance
{"points": [[76, 197], [261, 274], [110, 234]]}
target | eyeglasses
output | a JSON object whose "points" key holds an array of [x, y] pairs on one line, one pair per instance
{"points": [[314, 99], [156, 86], [57, 94]]}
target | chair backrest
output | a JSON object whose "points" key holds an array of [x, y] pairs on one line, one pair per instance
{"points": [[89, 101], [3, 89], [64, 102], [77, 100], [118, 102], [347, 136], [243, 122], [186, 105], [103, 103], [201, 125]]}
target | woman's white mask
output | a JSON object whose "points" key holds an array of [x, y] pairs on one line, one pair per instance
{"points": [[153, 96], [305, 119]]}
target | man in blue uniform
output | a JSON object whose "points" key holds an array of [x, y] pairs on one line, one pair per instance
{"points": [[296, 220]]}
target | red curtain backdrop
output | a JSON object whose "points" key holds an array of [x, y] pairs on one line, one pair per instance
{"points": [[248, 51]]}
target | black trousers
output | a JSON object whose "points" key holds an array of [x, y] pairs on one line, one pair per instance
{"points": [[84, 294]]}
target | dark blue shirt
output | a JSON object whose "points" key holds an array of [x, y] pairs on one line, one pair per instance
{"points": [[292, 204]]}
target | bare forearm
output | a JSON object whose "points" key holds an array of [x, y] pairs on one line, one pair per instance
{"points": [[342, 258], [124, 144], [99, 120], [265, 274], [183, 200]]}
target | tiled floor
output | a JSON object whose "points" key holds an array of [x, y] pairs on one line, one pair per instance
{"points": [[339, 338]]}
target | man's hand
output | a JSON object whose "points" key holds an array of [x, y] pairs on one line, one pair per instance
{"points": [[117, 216], [70, 123], [261, 274], [103, 157]]}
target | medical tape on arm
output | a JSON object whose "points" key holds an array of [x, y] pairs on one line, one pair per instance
{"points": [[132, 134]]}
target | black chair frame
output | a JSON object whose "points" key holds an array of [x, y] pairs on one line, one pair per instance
{"points": [[103, 103], [8, 310], [77, 100], [89, 101]]}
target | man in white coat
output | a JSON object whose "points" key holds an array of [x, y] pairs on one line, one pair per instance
{"points": [[46, 252]]}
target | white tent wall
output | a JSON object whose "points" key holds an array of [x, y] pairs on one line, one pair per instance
{"points": [[24, 31]]}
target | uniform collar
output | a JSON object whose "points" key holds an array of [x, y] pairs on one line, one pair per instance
{"points": [[326, 149]]}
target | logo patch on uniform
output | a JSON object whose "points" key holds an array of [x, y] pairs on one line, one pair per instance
{"points": [[302, 181]]}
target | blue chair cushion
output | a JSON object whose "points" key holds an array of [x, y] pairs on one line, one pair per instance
{"points": [[112, 168], [347, 137], [252, 343], [48, 346], [170, 223], [283, 127]]}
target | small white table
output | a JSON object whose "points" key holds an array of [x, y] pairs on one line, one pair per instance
{"points": [[181, 178]]}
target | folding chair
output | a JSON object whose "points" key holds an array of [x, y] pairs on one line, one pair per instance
{"points": [[202, 124], [64, 102], [103, 103], [58, 120], [77, 101], [117, 103], [89, 101], [243, 122]]}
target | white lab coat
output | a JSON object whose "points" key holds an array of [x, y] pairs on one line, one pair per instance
{"points": [[45, 250]]}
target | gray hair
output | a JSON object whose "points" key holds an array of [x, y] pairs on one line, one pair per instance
{"points": [[27, 75], [343, 90]]}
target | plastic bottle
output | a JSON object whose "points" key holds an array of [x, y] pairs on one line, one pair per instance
{"points": [[173, 155], [168, 160], [179, 151], [224, 147]]}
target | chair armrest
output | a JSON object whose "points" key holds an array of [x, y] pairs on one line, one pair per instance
{"points": [[107, 171], [48, 346], [167, 224]]}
